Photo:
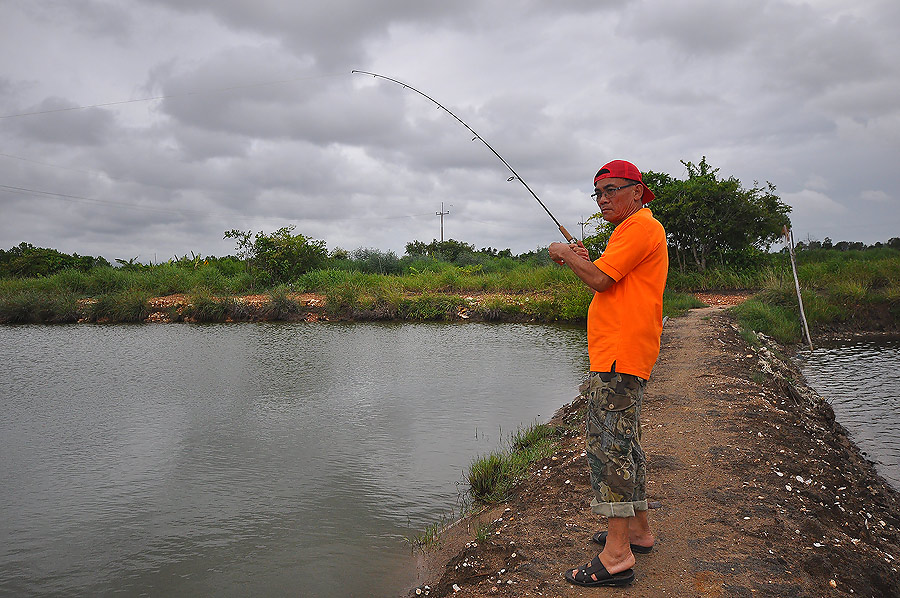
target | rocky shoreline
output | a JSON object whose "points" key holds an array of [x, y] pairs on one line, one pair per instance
{"points": [[761, 492]]}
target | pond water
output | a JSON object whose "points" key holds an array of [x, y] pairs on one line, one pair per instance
{"points": [[861, 381], [252, 459]]}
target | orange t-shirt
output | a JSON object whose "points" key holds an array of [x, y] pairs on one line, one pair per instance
{"points": [[624, 322]]}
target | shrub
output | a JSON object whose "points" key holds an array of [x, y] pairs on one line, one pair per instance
{"points": [[129, 305], [574, 302], [281, 306], [203, 306], [18, 308], [495, 308], [543, 309], [430, 307], [373, 261], [281, 256]]}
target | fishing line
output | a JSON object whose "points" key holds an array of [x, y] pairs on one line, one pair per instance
{"points": [[515, 176]]}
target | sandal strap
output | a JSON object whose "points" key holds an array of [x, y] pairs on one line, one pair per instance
{"points": [[587, 571]]}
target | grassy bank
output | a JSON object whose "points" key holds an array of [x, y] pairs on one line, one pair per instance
{"points": [[438, 292], [840, 289]]}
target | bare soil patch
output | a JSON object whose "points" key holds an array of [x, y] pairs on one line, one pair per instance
{"points": [[723, 298], [168, 308], [760, 493]]}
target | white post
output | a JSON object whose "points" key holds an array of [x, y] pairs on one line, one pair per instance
{"points": [[789, 239]]}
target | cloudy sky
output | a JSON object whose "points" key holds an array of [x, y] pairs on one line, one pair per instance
{"points": [[148, 128]]}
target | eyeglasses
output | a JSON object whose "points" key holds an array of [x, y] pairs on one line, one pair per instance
{"points": [[610, 192]]}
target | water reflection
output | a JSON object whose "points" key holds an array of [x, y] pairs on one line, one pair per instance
{"points": [[861, 381], [251, 459]]}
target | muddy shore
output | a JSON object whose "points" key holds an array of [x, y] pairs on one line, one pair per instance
{"points": [[760, 492]]}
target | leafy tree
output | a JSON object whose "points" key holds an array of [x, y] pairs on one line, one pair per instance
{"points": [[281, 256], [537, 257], [449, 250], [131, 264], [416, 248], [813, 244], [708, 219], [375, 261], [603, 230], [27, 261], [339, 254], [491, 252]]}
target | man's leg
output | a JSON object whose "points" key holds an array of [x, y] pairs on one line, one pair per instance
{"points": [[617, 467], [639, 526], [639, 532], [616, 555]]}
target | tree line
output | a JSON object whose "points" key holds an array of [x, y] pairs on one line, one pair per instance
{"points": [[710, 222]]}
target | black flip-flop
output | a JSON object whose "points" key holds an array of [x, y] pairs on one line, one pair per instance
{"points": [[600, 538], [584, 576]]}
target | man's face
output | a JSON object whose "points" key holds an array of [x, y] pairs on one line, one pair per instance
{"points": [[620, 198]]}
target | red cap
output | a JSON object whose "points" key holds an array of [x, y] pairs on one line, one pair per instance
{"points": [[620, 169]]}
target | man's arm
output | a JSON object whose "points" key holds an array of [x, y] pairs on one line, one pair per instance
{"points": [[583, 267]]}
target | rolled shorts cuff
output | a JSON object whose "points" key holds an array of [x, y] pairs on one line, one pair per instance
{"points": [[617, 509]]}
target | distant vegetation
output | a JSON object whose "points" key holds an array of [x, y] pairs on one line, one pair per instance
{"points": [[841, 288], [27, 261], [720, 237]]}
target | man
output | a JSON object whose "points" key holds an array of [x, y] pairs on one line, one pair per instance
{"points": [[623, 328]]}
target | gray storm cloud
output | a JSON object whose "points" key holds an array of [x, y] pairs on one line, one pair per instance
{"points": [[257, 122]]}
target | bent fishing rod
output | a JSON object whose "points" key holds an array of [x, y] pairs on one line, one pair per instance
{"points": [[515, 176]]}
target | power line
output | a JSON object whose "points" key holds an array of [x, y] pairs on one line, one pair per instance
{"points": [[79, 198], [49, 165], [173, 95]]}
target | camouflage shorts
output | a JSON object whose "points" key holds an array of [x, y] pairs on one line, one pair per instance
{"points": [[613, 438]]}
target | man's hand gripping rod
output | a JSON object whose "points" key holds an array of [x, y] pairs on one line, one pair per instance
{"points": [[515, 176]]}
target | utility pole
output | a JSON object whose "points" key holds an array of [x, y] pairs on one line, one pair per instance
{"points": [[582, 223], [442, 213]]}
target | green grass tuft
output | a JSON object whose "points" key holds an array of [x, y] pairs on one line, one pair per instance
{"points": [[281, 306], [483, 531], [128, 305], [778, 322], [38, 307], [431, 535], [492, 477], [431, 306], [203, 306], [677, 304]]}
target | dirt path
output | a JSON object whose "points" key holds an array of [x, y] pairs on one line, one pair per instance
{"points": [[760, 494]]}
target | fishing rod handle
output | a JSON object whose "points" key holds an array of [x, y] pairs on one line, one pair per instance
{"points": [[566, 234]]}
